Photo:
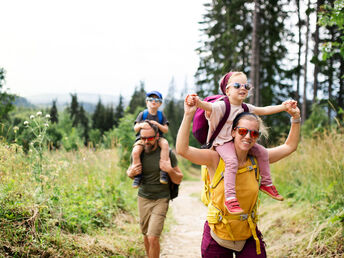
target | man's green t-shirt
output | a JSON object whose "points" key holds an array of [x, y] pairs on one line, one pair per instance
{"points": [[150, 186]]}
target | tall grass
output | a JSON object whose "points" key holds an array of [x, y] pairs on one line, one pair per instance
{"points": [[312, 180], [79, 194], [316, 172]]}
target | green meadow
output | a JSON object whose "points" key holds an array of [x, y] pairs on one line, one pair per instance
{"points": [[81, 203]]}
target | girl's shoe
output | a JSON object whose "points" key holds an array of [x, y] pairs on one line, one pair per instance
{"points": [[272, 191], [233, 207]]}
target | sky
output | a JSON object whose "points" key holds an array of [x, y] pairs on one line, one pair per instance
{"points": [[99, 47]]}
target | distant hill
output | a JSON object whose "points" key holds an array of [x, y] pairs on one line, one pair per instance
{"points": [[23, 102], [87, 100], [47, 99]]}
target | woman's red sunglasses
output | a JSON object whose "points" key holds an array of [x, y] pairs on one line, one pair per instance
{"points": [[243, 131]]}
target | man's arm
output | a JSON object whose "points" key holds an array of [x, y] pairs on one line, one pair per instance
{"points": [[134, 170], [174, 173]]}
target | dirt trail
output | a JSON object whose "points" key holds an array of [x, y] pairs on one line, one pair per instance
{"points": [[184, 238]]}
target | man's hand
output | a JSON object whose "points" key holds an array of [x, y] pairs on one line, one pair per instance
{"points": [[165, 165], [134, 170]]}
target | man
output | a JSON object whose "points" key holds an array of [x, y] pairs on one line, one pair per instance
{"points": [[153, 197]]}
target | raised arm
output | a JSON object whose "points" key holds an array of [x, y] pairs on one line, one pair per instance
{"points": [[268, 110], [193, 99], [198, 156], [292, 140]]}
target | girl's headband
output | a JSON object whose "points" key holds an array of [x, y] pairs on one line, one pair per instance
{"points": [[224, 82]]}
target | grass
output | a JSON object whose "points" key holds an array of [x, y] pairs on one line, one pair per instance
{"points": [[82, 205], [310, 222]]}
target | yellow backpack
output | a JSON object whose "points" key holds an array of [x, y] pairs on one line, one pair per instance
{"points": [[225, 225]]}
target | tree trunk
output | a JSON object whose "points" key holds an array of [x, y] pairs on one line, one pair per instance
{"points": [[298, 72], [316, 54], [341, 85], [330, 83], [255, 54], [304, 100]]}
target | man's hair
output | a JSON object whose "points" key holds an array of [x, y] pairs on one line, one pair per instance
{"points": [[154, 127]]}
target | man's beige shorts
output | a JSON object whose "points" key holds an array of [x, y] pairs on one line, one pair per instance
{"points": [[152, 215]]}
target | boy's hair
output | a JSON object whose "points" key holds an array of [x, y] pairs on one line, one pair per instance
{"points": [[153, 126]]}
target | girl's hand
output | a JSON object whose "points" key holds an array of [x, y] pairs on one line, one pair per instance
{"points": [[191, 99], [289, 104], [189, 104]]}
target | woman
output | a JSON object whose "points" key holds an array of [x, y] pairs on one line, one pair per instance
{"points": [[245, 128]]}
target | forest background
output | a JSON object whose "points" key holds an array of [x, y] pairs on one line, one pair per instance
{"points": [[256, 40]]}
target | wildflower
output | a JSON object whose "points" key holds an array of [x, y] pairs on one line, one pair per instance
{"points": [[26, 123], [47, 116], [39, 113], [46, 125], [15, 128], [32, 117]]}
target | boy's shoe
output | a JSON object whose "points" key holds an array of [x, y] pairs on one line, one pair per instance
{"points": [[233, 207], [137, 181], [163, 178], [271, 190]]}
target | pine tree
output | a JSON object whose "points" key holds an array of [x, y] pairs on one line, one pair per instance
{"points": [[6, 99], [74, 109], [54, 118], [84, 123], [98, 117], [109, 118], [138, 99], [119, 111], [227, 46]]}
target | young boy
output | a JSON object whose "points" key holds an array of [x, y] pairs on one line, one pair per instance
{"points": [[155, 116]]}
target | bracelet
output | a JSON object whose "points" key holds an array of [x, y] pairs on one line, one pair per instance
{"points": [[295, 120]]}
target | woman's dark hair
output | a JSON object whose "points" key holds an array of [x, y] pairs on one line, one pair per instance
{"points": [[262, 127], [241, 115]]}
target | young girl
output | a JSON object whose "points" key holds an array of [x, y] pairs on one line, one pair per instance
{"points": [[235, 86]]}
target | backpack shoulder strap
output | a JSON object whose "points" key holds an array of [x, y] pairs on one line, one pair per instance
{"points": [[221, 123], [245, 107], [253, 161], [145, 114], [160, 116]]}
